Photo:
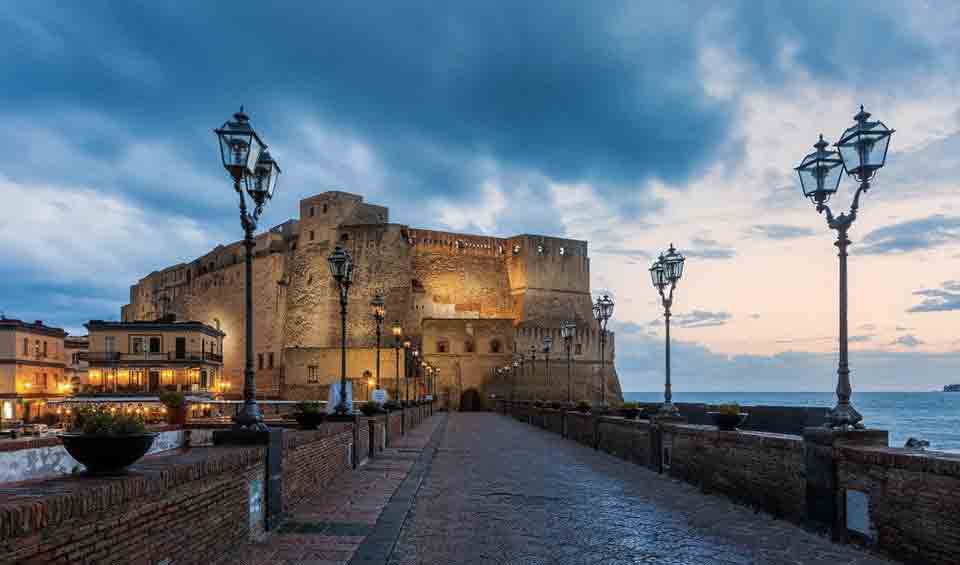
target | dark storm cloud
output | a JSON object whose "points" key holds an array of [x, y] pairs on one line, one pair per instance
{"points": [[121, 96], [780, 231], [921, 234], [942, 299]]}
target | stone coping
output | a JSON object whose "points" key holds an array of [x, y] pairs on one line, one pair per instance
{"points": [[28, 507], [295, 438], [765, 439], [34, 442], [935, 462]]}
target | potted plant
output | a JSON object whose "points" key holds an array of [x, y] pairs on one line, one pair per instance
{"points": [[583, 406], [556, 405], [107, 443], [370, 408], [728, 417], [538, 403], [630, 410], [309, 415], [176, 406], [391, 405]]}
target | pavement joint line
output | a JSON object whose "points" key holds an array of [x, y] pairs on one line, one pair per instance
{"points": [[380, 544]]}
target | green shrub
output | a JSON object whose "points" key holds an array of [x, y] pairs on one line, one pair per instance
{"points": [[100, 421], [629, 406], [729, 409], [173, 399], [307, 407], [369, 408], [583, 406]]}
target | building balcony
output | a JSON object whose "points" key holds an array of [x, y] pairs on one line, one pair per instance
{"points": [[107, 357]]}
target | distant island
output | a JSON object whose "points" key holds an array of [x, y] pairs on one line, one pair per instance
{"points": [[951, 388]]}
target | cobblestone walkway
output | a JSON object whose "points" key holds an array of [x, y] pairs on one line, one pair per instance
{"points": [[328, 529], [502, 492]]}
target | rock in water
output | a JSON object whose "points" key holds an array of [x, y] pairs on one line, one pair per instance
{"points": [[914, 443]]}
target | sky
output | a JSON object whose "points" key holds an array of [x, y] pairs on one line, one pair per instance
{"points": [[630, 125]]}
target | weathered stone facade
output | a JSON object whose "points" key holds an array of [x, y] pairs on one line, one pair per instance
{"points": [[442, 287]]}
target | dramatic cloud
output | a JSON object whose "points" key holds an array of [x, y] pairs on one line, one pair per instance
{"points": [[907, 340], [912, 235], [697, 319], [706, 248], [780, 231], [943, 299]]}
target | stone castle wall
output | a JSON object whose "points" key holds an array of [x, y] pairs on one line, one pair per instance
{"points": [[534, 282]]}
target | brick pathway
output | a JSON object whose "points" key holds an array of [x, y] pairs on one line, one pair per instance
{"points": [[329, 528], [502, 492]]}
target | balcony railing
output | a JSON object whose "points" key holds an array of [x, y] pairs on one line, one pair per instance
{"points": [[116, 357]]}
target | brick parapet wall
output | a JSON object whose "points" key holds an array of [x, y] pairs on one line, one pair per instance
{"points": [[913, 500], [760, 469], [187, 507], [913, 496], [312, 459]]}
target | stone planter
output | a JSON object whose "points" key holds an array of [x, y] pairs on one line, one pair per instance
{"points": [[309, 420], [728, 422], [107, 454]]}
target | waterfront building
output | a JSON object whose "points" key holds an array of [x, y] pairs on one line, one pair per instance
{"points": [[472, 303], [75, 361], [31, 367], [150, 357]]}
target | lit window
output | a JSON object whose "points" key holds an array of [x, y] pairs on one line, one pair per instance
{"points": [[313, 374], [516, 249], [540, 249], [563, 251]]}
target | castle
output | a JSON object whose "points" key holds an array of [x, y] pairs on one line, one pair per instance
{"points": [[473, 303]]}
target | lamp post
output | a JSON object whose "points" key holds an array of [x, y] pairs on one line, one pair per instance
{"points": [[862, 151], [415, 368], [517, 367], [602, 311], [547, 344], [253, 170], [533, 361], [397, 330], [341, 268], [567, 331], [378, 310], [666, 271]]}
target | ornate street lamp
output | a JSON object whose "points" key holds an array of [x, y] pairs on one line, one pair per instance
{"points": [[547, 344], [397, 330], [567, 331], [378, 311], [415, 369], [341, 268], [862, 152], [666, 272], [253, 170], [517, 367], [602, 312]]}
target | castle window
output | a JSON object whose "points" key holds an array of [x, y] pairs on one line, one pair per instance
{"points": [[563, 251], [499, 250], [270, 360], [259, 360], [468, 346], [494, 346], [579, 349], [311, 211], [313, 374], [443, 346], [26, 346], [516, 249], [311, 235], [324, 208], [345, 237]]}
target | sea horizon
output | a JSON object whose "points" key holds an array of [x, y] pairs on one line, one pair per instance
{"points": [[928, 415]]}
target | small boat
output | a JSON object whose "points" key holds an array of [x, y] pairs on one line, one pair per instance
{"points": [[951, 388]]}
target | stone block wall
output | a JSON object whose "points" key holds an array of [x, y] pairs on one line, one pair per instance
{"points": [[912, 502], [627, 439], [580, 428]]}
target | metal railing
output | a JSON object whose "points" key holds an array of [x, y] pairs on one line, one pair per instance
{"points": [[116, 356]]}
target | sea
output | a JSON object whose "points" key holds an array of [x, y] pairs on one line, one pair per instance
{"points": [[933, 416]]}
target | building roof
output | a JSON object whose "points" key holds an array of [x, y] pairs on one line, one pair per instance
{"points": [[155, 325], [36, 327]]}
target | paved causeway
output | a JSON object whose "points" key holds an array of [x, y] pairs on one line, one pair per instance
{"points": [[481, 488], [502, 492]]}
